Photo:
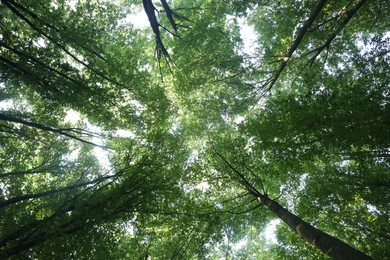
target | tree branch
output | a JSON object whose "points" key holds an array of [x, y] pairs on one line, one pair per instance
{"points": [[315, 12], [46, 128]]}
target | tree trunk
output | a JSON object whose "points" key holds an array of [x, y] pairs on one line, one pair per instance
{"points": [[60, 131], [331, 246], [7, 202]]}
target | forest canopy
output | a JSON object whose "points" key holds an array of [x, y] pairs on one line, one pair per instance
{"points": [[192, 136]]}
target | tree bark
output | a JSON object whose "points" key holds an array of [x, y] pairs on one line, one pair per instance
{"points": [[328, 244]]}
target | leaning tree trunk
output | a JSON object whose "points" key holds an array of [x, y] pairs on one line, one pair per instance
{"points": [[328, 244], [331, 246]]}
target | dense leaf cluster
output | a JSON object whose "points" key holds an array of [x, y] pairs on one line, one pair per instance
{"points": [[178, 141]]}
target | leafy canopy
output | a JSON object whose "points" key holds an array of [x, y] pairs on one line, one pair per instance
{"points": [[111, 135]]}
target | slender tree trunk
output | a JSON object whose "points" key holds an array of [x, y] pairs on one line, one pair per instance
{"points": [[53, 191], [328, 244], [60, 131]]}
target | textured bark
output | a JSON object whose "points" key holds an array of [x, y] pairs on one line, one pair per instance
{"points": [[331, 246]]}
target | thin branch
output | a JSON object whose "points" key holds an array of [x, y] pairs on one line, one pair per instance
{"points": [[36, 61], [169, 13], [54, 191], [47, 128], [245, 211], [336, 17], [232, 199], [61, 46], [243, 162], [349, 15], [313, 15], [251, 189]]}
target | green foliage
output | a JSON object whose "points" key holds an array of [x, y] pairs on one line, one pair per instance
{"points": [[161, 157]]}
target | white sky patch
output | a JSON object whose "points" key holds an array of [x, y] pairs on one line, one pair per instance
{"points": [[193, 157], [249, 39], [269, 231], [146, 68], [6, 104], [239, 245], [239, 119], [372, 209], [343, 163], [139, 20], [72, 116], [250, 143], [4, 190], [234, 121], [72, 4], [366, 47], [73, 155], [75, 64], [174, 126], [139, 108], [130, 227], [291, 192], [40, 42], [101, 154], [303, 181], [268, 234], [203, 186], [125, 134]]}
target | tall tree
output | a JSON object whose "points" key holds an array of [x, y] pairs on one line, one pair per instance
{"points": [[326, 243]]}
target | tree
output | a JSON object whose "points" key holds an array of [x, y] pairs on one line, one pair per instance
{"points": [[47, 192], [174, 158], [326, 243]]}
